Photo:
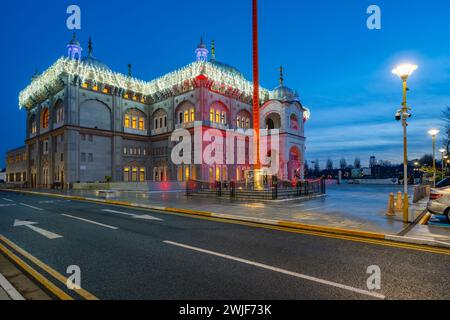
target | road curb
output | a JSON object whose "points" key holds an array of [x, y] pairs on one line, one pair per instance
{"points": [[268, 222]]}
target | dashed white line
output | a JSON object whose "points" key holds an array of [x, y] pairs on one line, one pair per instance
{"points": [[286, 272], [90, 221], [32, 207], [135, 216], [9, 200]]}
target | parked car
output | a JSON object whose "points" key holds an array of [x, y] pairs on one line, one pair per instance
{"points": [[439, 203]]}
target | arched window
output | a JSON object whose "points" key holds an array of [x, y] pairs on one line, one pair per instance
{"points": [[243, 120], [186, 112], [160, 119], [294, 122], [33, 124], [45, 118], [135, 119], [218, 113], [273, 121], [59, 112]]}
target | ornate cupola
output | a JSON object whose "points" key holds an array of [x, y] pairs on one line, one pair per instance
{"points": [[202, 52], [74, 49], [283, 93]]}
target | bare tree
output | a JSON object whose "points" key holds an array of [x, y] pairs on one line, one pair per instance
{"points": [[330, 165], [357, 163], [343, 164], [446, 118]]}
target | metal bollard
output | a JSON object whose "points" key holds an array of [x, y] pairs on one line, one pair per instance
{"points": [[391, 205], [399, 202]]}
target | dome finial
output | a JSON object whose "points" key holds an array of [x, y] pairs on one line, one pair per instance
{"points": [[281, 76], [90, 47], [130, 74], [213, 51]]}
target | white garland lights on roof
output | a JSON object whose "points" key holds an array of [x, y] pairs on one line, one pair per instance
{"points": [[41, 85]]}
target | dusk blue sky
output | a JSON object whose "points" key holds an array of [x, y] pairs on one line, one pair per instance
{"points": [[341, 69]]}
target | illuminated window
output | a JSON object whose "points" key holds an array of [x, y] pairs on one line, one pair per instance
{"points": [[106, 90], [135, 98], [211, 115], [192, 115], [187, 173], [127, 122], [217, 116], [126, 96], [134, 175], [238, 122], [247, 123], [186, 116], [85, 85], [134, 123], [126, 174], [217, 173], [95, 88], [141, 124], [45, 118], [180, 173], [142, 175]]}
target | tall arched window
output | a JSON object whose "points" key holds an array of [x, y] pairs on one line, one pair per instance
{"points": [[218, 113], [33, 125], [294, 122], [45, 118], [135, 119], [185, 112], [243, 120]]}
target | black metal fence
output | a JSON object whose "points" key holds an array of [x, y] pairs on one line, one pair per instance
{"points": [[273, 191]]}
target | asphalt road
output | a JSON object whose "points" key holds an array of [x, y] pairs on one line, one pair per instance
{"points": [[134, 254]]}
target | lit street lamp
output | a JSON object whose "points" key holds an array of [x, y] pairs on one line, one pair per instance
{"points": [[404, 72], [433, 133]]}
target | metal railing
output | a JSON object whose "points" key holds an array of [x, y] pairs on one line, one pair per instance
{"points": [[273, 190]]}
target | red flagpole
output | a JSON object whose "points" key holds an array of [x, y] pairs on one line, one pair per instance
{"points": [[256, 123]]}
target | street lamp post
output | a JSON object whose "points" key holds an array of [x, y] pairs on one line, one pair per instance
{"points": [[433, 133], [404, 71]]}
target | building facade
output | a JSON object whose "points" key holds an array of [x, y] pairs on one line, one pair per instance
{"points": [[86, 123], [17, 167]]}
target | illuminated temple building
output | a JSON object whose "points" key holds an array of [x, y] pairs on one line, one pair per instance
{"points": [[87, 123]]}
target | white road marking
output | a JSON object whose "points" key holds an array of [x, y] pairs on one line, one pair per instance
{"points": [[10, 290], [135, 216], [30, 225], [9, 200], [90, 221], [32, 207], [46, 202], [286, 272]]}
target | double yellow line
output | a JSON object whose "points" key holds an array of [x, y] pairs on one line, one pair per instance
{"points": [[47, 284]]}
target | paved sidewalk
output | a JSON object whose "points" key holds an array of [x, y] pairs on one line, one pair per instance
{"points": [[350, 207], [438, 230], [3, 295]]}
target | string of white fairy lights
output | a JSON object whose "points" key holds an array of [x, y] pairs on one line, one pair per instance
{"points": [[51, 78]]}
